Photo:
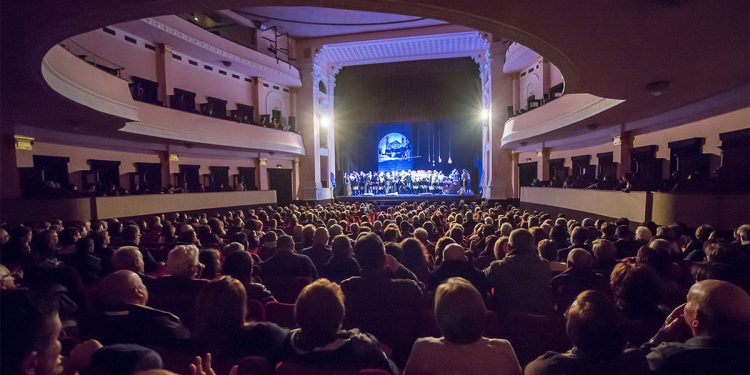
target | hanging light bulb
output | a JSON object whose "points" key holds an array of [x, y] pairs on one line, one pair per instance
{"points": [[449, 160]]}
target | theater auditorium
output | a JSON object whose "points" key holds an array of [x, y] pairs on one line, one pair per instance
{"points": [[374, 187]]}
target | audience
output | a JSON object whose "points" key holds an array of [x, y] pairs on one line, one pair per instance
{"points": [[460, 314], [509, 257]]}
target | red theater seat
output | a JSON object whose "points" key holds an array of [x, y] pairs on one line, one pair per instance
{"points": [[286, 289], [255, 365], [533, 335]]}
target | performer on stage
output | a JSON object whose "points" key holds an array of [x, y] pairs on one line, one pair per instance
{"points": [[406, 182]]}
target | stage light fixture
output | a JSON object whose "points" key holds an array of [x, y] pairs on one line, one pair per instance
{"points": [[325, 122], [484, 114]]}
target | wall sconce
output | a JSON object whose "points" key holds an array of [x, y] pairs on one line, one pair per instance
{"points": [[617, 140], [262, 161], [23, 142], [174, 157]]}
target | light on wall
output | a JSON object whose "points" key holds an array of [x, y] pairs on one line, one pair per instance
{"points": [[23, 142], [174, 157], [617, 140]]}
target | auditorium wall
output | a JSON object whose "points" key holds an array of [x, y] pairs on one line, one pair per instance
{"points": [[135, 59]]}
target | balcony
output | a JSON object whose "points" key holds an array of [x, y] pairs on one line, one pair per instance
{"points": [[86, 84]]}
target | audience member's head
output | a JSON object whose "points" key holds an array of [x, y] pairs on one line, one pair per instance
{"points": [[131, 234], [128, 258], [238, 265], [636, 288], [580, 259], [319, 312], [370, 253], [459, 311], [521, 242], [211, 259], [595, 325], [221, 309], [718, 309], [341, 246], [547, 250], [643, 235], [123, 288], [454, 252], [604, 250], [123, 359], [182, 261], [321, 236], [285, 243], [31, 327]]}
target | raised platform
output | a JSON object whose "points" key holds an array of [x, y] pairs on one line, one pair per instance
{"points": [[392, 200]]}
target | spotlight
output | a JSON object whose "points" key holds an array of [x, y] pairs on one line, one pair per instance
{"points": [[484, 115], [656, 88], [325, 122]]}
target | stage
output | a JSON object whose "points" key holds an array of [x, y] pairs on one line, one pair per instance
{"points": [[392, 200]]}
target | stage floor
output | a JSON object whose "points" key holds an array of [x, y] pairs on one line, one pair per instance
{"points": [[391, 199]]}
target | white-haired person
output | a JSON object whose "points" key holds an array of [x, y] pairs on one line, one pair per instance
{"points": [[178, 291]]}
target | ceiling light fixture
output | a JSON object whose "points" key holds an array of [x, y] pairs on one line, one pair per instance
{"points": [[656, 88]]}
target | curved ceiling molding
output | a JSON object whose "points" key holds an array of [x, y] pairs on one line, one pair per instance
{"points": [[256, 63], [519, 57], [76, 80], [557, 114]]}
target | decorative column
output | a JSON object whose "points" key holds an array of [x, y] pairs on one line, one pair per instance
{"points": [[11, 186], [163, 60], [623, 143], [542, 165], [497, 95], [295, 178], [515, 176], [261, 168]]}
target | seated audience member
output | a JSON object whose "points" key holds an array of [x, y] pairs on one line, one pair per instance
{"points": [[694, 250], [88, 265], [7, 279], [742, 238], [131, 236], [239, 265], [578, 237], [131, 259], [456, 264], [521, 279], [222, 328], [578, 277], [596, 328], [707, 335], [605, 256], [558, 235], [342, 265], [657, 257], [307, 237], [626, 246], [319, 342], [460, 312], [414, 257], [547, 251], [286, 263], [127, 319], [637, 291], [177, 292], [123, 359], [211, 260], [30, 339], [643, 235], [320, 253], [373, 300]]}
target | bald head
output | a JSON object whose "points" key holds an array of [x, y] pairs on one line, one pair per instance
{"points": [[718, 309], [454, 252], [123, 288], [580, 258]]}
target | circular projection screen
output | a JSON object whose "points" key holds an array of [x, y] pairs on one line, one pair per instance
{"points": [[394, 152]]}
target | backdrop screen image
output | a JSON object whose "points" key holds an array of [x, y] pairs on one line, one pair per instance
{"points": [[394, 152]]}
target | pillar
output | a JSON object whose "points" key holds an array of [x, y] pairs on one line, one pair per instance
{"points": [[623, 143], [163, 60], [11, 186], [295, 179], [497, 90], [515, 176], [542, 165], [261, 173]]}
